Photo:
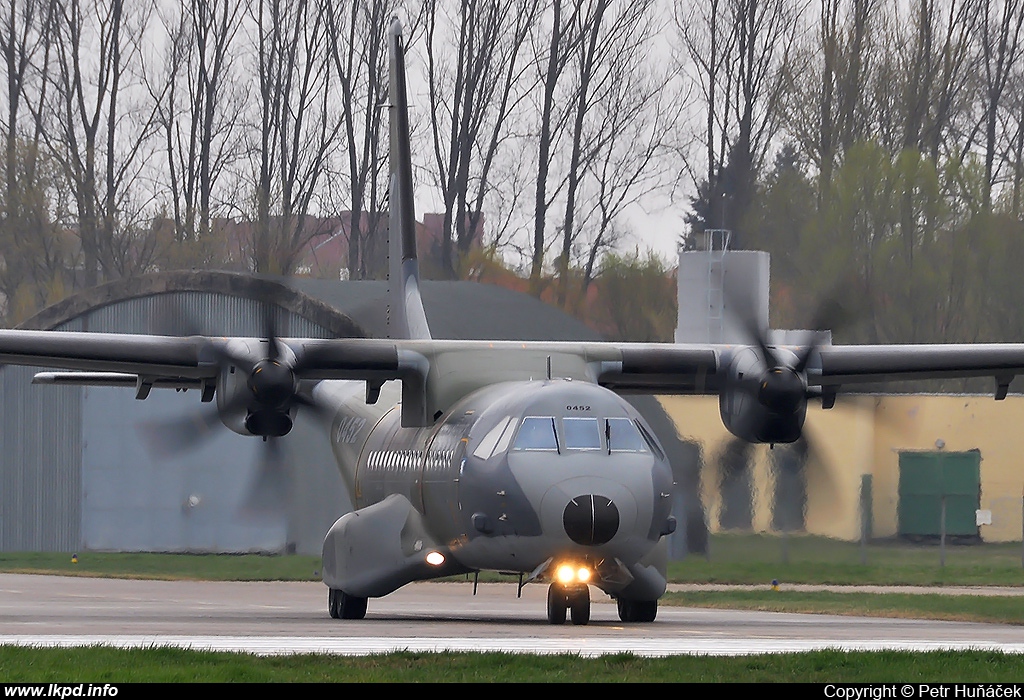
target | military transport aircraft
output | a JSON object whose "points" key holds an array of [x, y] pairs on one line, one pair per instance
{"points": [[465, 456]]}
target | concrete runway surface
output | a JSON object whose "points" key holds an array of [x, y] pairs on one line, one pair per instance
{"points": [[282, 618]]}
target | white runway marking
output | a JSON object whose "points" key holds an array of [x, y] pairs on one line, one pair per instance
{"points": [[358, 646]]}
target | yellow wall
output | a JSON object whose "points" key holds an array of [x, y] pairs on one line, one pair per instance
{"points": [[864, 435]]}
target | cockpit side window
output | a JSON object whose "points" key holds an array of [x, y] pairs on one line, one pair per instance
{"points": [[581, 433], [537, 433], [623, 436], [651, 442], [486, 448]]}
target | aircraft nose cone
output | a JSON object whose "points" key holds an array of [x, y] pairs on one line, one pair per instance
{"points": [[591, 520]]}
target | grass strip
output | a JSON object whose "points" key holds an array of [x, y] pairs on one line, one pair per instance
{"points": [[205, 567], [108, 665], [758, 559], [932, 606]]}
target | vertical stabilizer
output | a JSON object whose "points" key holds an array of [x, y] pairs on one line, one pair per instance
{"points": [[406, 318]]}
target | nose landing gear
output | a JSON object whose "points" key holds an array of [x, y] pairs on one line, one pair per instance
{"points": [[574, 599]]}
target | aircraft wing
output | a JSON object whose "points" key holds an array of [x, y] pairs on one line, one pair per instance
{"points": [[654, 367], [434, 372], [108, 358], [115, 352], [684, 369], [857, 364]]}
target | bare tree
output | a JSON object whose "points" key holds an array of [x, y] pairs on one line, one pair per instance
{"points": [[199, 108], [32, 263], [561, 37], [97, 45], [473, 96], [741, 52], [298, 127], [1001, 45], [615, 42], [954, 78], [356, 43], [705, 34], [633, 119]]}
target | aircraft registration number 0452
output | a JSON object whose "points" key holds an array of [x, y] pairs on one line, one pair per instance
{"points": [[348, 429]]}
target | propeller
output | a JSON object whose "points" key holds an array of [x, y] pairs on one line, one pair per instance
{"points": [[764, 401], [781, 385], [264, 396]]}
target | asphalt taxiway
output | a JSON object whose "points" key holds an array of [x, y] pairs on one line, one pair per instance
{"points": [[281, 617]]}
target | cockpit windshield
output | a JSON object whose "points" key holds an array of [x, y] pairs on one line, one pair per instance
{"points": [[623, 436], [581, 433], [565, 434], [537, 433]]}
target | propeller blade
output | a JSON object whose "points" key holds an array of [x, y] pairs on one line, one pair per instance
{"points": [[748, 324], [833, 313], [321, 410], [175, 437], [270, 488], [171, 438], [270, 329]]}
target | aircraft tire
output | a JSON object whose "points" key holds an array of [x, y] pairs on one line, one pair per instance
{"points": [[332, 603], [637, 610], [346, 607], [558, 604], [579, 606]]}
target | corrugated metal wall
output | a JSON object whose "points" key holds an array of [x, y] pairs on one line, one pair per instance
{"points": [[75, 472], [40, 465]]}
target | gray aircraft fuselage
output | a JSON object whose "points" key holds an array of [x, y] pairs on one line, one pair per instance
{"points": [[519, 476]]}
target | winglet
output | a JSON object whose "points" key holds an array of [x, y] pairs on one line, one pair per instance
{"points": [[406, 318]]}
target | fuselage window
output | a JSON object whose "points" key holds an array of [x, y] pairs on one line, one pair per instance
{"points": [[581, 434], [623, 436], [537, 433]]}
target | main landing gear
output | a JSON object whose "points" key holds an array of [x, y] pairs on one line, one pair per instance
{"points": [[637, 610], [572, 599], [344, 606]]}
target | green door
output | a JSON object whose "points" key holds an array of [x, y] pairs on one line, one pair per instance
{"points": [[928, 477]]}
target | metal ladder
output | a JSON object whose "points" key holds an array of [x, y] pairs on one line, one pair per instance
{"points": [[717, 245]]}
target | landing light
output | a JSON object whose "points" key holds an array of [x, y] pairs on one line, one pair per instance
{"points": [[435, 558], [566, 574]]}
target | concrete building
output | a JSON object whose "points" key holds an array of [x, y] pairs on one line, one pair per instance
{"points": [[721, 291]]}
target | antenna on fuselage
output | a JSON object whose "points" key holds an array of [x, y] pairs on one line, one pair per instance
{"points": [[549, 366], [406, 318]]}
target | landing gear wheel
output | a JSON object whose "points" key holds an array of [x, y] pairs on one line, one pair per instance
{"points": [[558, 604], [637, 610], [344, 606], [332, 603], [579, 606]]}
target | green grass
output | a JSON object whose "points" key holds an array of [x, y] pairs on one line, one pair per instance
{"points": [[206, 567], [932, 606], [742, 559], [106, 665], [758, 559]]}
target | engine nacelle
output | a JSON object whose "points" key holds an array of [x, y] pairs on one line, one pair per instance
{"points": [[745, 411], [239, 407]]}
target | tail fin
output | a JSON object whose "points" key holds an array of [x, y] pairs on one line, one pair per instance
{"points": [[406, 318]]}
